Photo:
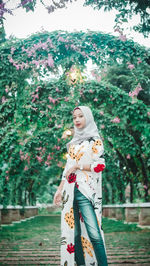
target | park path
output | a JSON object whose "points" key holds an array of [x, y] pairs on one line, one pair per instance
{"points": [[30, 243]]}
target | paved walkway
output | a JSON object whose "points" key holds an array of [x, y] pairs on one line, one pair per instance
{"points": [[40, 245]]}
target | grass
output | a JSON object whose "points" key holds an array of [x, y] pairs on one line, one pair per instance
{"points": [[49, 225], [38, 226], [43, 232], [110, 225]]}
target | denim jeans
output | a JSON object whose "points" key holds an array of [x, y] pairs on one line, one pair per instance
{"points": [[82, 204]]}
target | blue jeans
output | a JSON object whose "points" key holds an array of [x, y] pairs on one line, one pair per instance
{"points": [[82, 204]]}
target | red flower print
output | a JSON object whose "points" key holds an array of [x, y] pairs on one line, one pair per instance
{"points": [[72, 178], [81, 218], [70, 248], [99, 167], [76, 184]]}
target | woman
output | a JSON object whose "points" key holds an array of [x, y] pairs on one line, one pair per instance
{"points": [[81, 195]]}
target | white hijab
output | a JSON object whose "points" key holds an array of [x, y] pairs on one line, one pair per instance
{"points": [[90, 129]]}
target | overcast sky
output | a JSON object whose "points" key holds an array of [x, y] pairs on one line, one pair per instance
{"points": [[75, 17]]}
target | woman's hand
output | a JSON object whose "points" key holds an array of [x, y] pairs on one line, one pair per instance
{"points": [[57, 197], [71, 170]]}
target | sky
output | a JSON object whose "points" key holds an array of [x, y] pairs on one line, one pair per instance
{"points": [[73, 18]]}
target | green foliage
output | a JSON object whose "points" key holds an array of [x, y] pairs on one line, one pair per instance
{"points": [[126, 10], [36, 103]]}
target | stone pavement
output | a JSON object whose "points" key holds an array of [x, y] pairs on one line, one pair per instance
{"points": [[123, 248]]}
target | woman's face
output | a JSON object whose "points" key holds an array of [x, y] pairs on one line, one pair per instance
{"points": [[79, 119]]}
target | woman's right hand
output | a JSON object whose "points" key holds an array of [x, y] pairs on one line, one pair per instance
{"points": [[57, 197]]}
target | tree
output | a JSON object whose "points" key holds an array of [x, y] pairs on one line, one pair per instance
{"points": [[126, 9], [35, 110]]}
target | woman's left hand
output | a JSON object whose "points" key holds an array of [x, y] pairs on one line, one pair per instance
{"points": [[71, 170]]}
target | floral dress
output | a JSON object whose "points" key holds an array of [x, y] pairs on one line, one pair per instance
{"points": [[90, 185]]}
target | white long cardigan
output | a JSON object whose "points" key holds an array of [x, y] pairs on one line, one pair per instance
{"points": [[89, 184]]}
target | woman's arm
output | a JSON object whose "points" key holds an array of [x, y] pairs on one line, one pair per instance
{"points": [[85, 167], [57, 196]]}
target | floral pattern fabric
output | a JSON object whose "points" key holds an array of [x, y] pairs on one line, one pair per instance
{"points": [[90, 185]]}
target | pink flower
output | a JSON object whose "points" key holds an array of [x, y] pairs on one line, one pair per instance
{"points": [[101, 113], [61, 39], [98, 78], [93, 73], [51, 100], [102, 126], [3, 99], [139, 60], [57, 90], [145, 187], [47, 163], [95, 100], [49, 157], [148, 113], [12, 50], [26, 168], [128, 156], [123, 37], [131, 66], [50, 61], [116, 120], [57, 148], [11, 60], [91, 91], [39, 158], [136, 91], [66, 99]]}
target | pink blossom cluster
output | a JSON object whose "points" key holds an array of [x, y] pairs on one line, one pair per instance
{"points": [[49, 158], [40, 156], [98, 78], [25, 157], [130, 66], [128, 156], [66, 99], [35, 95], [102, 126], [31, 51], [116, 120], [18, 66], [122, 36], [101, 112], [12, 50], [7, 175], [136, 91], [57, 147], [45, 62], [95, 100], [61, 39], [4, 99], [52, 100], [139, 60]]}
